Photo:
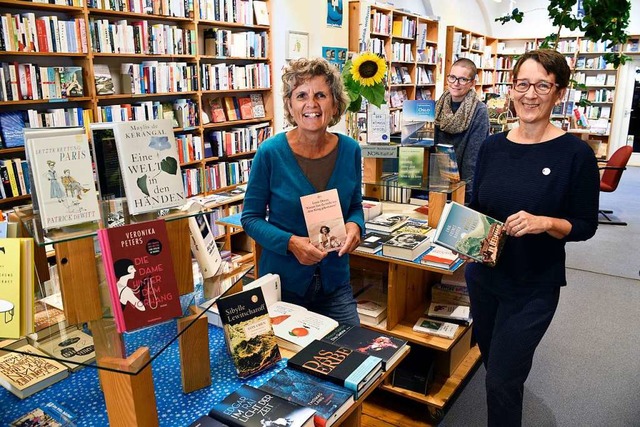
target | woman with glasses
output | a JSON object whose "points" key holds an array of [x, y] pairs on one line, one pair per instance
{"points": [[461, 120], [543, 184]]}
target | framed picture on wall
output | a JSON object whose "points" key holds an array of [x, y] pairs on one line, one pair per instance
{"points": [[297, 45]]}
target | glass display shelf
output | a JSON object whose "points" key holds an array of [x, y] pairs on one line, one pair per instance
{"points": [[391, 182], [157, 338]]}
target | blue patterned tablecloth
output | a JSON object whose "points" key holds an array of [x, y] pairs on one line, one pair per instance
{"points": [[80, 393]]}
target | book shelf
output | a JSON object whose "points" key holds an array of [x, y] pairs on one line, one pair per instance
{"points": [[409, 44], [143, 64]]}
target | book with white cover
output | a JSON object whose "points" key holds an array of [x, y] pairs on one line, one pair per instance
{"points": [[325, 223], [449, 311], [148, 156], [386, 222], [435, 327], [203, 246], [372, 305], [62, 172], [295, 326]]}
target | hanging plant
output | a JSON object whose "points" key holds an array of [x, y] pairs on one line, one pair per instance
{"points": [[363, 77]]}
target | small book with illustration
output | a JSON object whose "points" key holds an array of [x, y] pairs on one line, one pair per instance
{"points": [[62, 171], [368, 341], [250, 340], [140, 275], [372, 242], [386, 222], [73, 347], [449, 312], [329, 400], [27, 370], [440, 257], [447, 164], [71, 81], [435, 327], [203, 246], [372, 305], [148, 156], [295, 326], [103, 79], [349, 368], [257, 103], [246, 109], [325, 223], [470, 233], [252, 407]]}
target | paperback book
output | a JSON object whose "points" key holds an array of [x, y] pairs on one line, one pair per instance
{"points": [[62, 171], [140, 275], [295, 326], [411, 166], [372, 242], [470, 233], [435, 327], [148, 156], [17, 277], [329, 400], [440, 257], [203, 246], [73, 347], [349, 368], [325, 223], [417, 122], [248, 334], [372, 305], [252, 407], [386, 223], [449, 312], [368, 341]]}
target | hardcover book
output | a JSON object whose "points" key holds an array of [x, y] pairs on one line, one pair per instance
{"points": [[27, 371], [411, 166], [417, 122], [246, 109], [71, 81], [295, 326], [349, 368], [63, 177], [203, 246], [369, 342], [251, 407], [325, 223], [103, 79], [261, 12], [139, 269], [470, 233], [329, 400], [248, 333], [217, 111], [449, 311], [372, 242], [435, 327], [447, 165], [148, 156], [440, 257], [386, 223], [407, 245]]}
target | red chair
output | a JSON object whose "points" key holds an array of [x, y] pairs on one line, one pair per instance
{"points": [[611, 178]]}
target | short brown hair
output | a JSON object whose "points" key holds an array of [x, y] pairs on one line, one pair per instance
{"points": [[469, 64], [552, 61], [300, 70]]}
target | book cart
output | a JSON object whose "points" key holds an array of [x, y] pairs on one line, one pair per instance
{"points": [[124, 369], [408, 294]]}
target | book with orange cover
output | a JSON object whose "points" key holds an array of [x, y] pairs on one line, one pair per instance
{"points": [[246, 109]]}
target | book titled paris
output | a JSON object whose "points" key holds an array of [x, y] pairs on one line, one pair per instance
{"points": [[62, 171], [148, 157]]}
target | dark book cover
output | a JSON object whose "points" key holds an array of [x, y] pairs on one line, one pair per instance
{"points": [[250, 407], [12, 126], [248, 332], [140, 274], [337, 364], [329, 400], [105, 156], [372, 242], [368, 341], [207, 421]]}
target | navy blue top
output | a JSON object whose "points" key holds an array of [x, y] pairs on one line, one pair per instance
{"points": [[277, 181], [557, 178]]}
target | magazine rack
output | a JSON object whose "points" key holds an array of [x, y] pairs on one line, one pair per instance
{"points": [[124, 360]]}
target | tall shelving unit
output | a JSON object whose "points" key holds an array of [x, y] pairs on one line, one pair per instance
{"points": [[176, 48]]}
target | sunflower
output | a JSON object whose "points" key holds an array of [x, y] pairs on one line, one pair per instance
{"points": [[368, 69]]}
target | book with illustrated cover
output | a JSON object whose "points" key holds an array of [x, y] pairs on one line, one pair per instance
{"points": [[103, 79], [148, 156], [217, 111], [27, 371], [252, 407], [372, 242], [261, 12], [329, 400], [411, 166], [386, 222], [36, 418], [257, 102], [417, 122], [71, 81], [435, 327], [449, 312], [407, 244], [325, 223], [246, 109], [203, 246], [11, 127], [248, 334], [440, 257], [368, 341], [140, 275], [349, 368], [63, 180], [447, 162], [470, 233], [72, 346], [295, 326]]}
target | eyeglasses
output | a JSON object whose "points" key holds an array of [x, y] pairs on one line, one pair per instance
{"points": [[462, 80], [542, 87]]}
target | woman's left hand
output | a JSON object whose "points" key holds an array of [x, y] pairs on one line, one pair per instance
{"points": [[353, 238], [522, 223]]}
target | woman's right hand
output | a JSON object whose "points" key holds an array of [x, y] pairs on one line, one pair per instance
{"points": [[304, 251]]}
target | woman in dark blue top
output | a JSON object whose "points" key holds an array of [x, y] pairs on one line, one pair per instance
{"points": [[544, 185], [305, 160]]}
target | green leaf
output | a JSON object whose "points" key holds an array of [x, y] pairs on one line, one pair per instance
{"points": [[355, 105], [169, 165], [374, 94], [142, 184]]}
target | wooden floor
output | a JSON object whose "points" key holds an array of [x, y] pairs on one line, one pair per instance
{"points": [[384, 409]]}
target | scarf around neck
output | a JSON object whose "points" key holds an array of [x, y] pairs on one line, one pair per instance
{"points": [[457, 122]]}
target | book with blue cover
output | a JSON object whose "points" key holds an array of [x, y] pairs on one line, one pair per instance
{"points": [[417, 122], [329, 400], [12, 127]]}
